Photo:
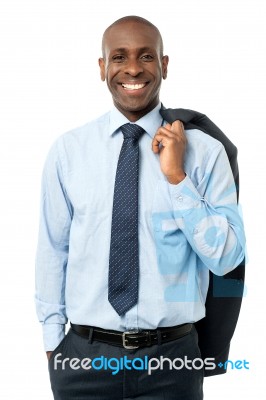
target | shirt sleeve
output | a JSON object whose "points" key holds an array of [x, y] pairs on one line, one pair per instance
{"points": [[208, 215], [52, 251]]}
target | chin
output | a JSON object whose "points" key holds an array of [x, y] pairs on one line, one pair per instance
{"points": [[134, 106]]}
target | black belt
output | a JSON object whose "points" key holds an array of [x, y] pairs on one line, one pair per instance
{"points": [[132, 339]]}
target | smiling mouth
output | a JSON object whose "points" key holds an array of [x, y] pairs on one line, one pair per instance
{"points": [[130, 86]]}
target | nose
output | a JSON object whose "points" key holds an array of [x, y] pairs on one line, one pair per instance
{"points": [[133, 67]]}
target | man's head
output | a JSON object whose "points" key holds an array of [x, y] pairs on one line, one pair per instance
{"points": [[133, 65]]}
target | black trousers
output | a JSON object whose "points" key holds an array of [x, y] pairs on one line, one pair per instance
{"points": [[84, 370]]}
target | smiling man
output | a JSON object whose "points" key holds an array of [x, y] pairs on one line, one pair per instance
{"points": [[130, 228], [133, 66]]}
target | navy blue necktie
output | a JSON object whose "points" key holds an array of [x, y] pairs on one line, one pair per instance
{"points": [[124, 250]]}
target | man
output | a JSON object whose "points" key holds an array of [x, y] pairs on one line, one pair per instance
{"points": [[135, 213]]}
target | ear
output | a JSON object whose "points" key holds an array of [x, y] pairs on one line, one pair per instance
{"points": [[165, 61], [102, 68]]}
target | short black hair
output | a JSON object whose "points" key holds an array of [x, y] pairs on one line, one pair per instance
{"points": [[133, 18]]}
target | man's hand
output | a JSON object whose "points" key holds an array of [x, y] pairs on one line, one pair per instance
{"points": [[172, 150], [49, 353]]}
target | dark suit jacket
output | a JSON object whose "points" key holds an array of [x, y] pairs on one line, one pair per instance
{"points": [[225, 293]]}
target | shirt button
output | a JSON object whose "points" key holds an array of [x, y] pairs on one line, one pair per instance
{"points": [[195, 231], [180, 198]]}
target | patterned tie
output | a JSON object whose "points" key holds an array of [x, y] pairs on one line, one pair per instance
{"points": [[124, 252]]}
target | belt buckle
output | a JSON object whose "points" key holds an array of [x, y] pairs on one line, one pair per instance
{"points": [[124, 339]]}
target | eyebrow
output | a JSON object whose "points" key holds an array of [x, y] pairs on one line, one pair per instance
{"points": [[124, 49]]}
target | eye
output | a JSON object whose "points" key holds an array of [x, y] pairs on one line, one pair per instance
{"points": [[147, 57], [118, 58]]}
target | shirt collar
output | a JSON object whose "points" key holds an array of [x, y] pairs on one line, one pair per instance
{"points": [[149, 122]]}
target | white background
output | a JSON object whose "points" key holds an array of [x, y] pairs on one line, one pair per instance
{"points": [[49, 83]]}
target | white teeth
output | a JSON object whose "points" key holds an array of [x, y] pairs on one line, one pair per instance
{"points": [[133, 87]]}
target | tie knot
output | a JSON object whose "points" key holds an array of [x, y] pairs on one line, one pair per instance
{"points": [[132, 131]]}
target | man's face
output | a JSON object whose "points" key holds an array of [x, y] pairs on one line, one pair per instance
{"points": [[133, 68]]}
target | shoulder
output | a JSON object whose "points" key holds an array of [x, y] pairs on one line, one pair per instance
{"points": [[72, 144], [202, 145], [81, 136], [83, 133], [203, 151], [198, 139]]}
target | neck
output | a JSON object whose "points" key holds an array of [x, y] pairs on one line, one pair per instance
{"points": [[134, 116]]}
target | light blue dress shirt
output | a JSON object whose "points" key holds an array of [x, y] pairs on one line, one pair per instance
{"points": [[185, 230]]}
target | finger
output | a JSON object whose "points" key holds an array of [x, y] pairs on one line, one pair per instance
{"points": [[165, 131], [179, 131], [161, 139], [170, 132], [156, 143], [178, 124], [178, 127]]}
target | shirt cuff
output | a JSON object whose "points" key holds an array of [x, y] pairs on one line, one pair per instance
{"points": [[53, 334], [184, 195]]}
